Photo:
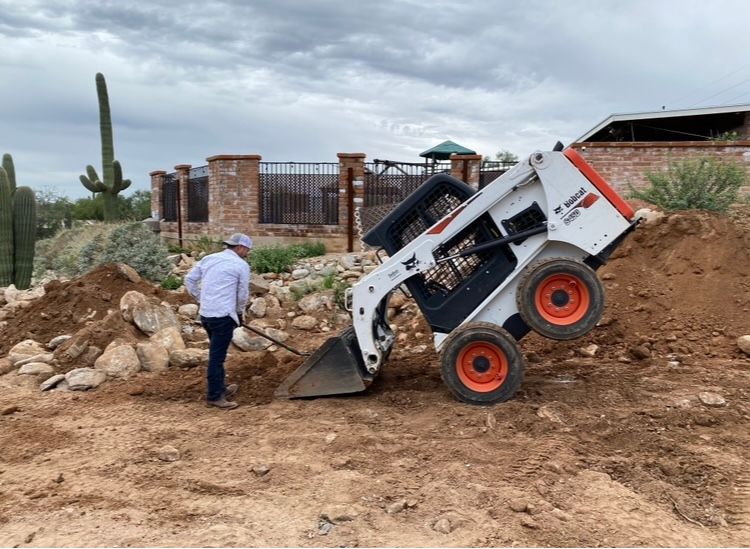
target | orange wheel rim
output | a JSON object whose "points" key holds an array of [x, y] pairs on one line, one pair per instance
{"points": [[482, 366], [562, 299]]}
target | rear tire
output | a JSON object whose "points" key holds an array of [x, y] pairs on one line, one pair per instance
{"points": [[560, 298], [481, 364]]}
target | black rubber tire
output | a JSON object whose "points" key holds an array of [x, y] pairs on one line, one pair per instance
{"points": [[481, 335], [536, 274]]}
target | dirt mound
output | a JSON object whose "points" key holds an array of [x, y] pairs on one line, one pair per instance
{"points": [[679, 287], [590, 451], [67, 306]]}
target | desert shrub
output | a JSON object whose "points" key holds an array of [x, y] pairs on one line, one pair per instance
{"points": [[328, 282], [207, 245], [71, 252], [171, 282], [271, 259], [277, 258], [308, 249], [139, 247], [90, 253], [694, 184]]}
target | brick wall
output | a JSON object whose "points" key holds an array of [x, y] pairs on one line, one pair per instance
{"points": [[233, 201], [622, 164], [233, 204]]}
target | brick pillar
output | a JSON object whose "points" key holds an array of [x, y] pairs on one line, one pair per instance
{"points": [[182, 176], [233, 194], [157, 182], [466, 168], [355, 161]]}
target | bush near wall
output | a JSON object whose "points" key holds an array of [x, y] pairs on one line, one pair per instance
{"points": [[694, 184]]}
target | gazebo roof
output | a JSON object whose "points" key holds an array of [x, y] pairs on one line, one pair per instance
{"points": [[445, 150]]}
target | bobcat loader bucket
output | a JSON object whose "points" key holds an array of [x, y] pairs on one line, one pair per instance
{"points": [[335, 368]]}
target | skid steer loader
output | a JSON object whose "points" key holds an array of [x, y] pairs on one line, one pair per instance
{"points": [[485, 267]]}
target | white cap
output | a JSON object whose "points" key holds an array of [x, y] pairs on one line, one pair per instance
{"points": [[239, 239]]}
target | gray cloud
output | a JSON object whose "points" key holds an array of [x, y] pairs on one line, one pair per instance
{"points": [[302, 80]]}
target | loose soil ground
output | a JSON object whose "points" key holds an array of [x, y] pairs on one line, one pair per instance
{"points": [[608, 450]]}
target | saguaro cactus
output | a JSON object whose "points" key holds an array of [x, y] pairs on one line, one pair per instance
{"points": [[6, 230], [24, 236], [10, 170], [17, 228], [113, 182]]}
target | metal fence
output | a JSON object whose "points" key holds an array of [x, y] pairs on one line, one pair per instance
{"points": [[388, 182], [197, 190], [491, 170], [169, 197], [297, 193]]}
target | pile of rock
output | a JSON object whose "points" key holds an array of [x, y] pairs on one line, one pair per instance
{"points": [[160, 336]]}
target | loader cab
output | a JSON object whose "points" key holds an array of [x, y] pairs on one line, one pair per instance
{"points": [[449, 292]]}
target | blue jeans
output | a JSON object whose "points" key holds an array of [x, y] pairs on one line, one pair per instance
{"points": [[219, 330]]}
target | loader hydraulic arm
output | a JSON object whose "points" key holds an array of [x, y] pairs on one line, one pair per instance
{"points": [[376, 339]]}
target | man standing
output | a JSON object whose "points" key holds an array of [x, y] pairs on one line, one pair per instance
{"points": [[220, 283]]}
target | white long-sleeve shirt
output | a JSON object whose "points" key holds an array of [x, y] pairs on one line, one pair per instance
{"points": [[220, 283]]}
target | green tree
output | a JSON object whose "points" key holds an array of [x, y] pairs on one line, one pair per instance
{"points": [[137, 206], [89, 209], [503, 156], [53, 212]]}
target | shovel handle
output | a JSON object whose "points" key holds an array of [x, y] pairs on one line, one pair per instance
{"points": [[276, 341]]}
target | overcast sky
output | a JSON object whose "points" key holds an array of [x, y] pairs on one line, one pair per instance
{"points": [[302, 80]]}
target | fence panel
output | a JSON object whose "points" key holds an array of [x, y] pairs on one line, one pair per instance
{"points": [[491, 170], [299, 193], [387, 183], [198, 195], [169, 203]]}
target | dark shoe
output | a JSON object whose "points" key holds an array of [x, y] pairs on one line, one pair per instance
{"points": [[231, 390], [222, 403]]}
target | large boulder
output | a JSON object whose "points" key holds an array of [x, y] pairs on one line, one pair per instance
{"points": [[36, 369], [258, 285], [44, 357], [188, 358], [128, 272], [121, 362], [52, 382], [82, 379], [318, 302], [55, 342], [246, 342], [258, 307], [73, 347], [189, 310], [129, 301], [151, 317], [170, 337], [30, 295], [25, 349], [118, 342], [153, 356], [304, 322]]}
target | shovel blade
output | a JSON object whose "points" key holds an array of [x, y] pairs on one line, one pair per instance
{"points": [[335, 368]]}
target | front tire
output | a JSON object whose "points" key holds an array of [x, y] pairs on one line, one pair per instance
{"points": [[481, 364]]}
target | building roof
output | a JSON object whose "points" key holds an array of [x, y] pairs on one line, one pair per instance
{"points": [[618, 119], [445, 150]]}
